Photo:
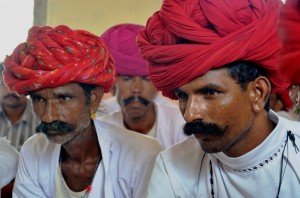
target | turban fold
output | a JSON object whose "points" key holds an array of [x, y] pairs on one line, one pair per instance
{"points": [[121, 42], [53, 57], [186, 38], [289, 29]]}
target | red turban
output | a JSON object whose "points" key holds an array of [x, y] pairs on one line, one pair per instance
{"points": [[186, 38], [53, 57], [121, 43], [289, 29]]}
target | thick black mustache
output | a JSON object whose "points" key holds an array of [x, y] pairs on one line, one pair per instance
{"points": [[55, 126], [203, 128], [130, 99], [12, 95]]}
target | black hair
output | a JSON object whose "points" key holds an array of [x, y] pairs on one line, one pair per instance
{"points": [[87, 91], [245, 72]]}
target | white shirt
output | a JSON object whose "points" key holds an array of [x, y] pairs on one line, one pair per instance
{"points": [[169, 124], [8, 162], [19, 132], [184, 171], [128, 159]]}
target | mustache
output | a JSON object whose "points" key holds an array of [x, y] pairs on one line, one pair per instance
{"points": [[130, 99], [55, 126], [13, 95], [203, 128]]}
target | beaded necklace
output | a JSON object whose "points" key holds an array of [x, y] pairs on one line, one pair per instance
{"points": [[89, 188], [290, 136]]}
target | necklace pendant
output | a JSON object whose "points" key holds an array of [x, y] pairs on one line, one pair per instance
{"points": [[89, 188]]}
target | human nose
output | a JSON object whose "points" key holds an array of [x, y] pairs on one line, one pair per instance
{"points": [[194, 110], [50, 113], [137, 85]]}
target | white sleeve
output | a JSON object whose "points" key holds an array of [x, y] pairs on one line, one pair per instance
{"points": [[8, 162], [160, 185], [26, 182]]}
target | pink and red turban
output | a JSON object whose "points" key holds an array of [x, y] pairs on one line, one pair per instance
{"points": [[289, 29], [186, 38], [121, 42], [53, 57]]}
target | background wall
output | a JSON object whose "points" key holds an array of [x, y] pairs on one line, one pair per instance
{"points": [[98, 15], [94, 15]]}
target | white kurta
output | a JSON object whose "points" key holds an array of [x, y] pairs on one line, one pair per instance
{"points": [[183, 171], [128, 159], [169, 124], [8, 162]]}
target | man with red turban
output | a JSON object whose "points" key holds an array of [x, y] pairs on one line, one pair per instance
{"points": [[65, 72], [136, 105], [289, 29], [218, 58]]}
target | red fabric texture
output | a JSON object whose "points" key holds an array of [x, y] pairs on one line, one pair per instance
{"points": [[289, 29], [53, 57], [186, 38], [121, 43]]}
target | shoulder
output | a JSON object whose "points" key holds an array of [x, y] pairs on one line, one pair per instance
{"points": [[187, 148], [37, 145], [126, 139], [169, 111]]}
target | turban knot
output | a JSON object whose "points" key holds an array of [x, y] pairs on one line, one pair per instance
{"points": [[289, 31], [121, 43], [186, 38], [53, 57]]}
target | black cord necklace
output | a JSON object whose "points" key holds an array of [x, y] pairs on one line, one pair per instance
{"points": [[290, 136]]}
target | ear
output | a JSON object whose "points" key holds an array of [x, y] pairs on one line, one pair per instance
{"points": [[260, 91], [279, 105], [96, 97]]}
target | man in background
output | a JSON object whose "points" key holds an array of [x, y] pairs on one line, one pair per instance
{"points": [[289, 30], [281, 103], [17, 119], [140, 108]]}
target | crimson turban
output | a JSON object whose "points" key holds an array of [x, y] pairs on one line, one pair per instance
{"points": [[121, 42], [53, 57], [289, 29], [186, 38]]}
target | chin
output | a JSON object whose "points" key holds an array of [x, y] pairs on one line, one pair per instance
{"points": [[58, 139], [210, 146]]}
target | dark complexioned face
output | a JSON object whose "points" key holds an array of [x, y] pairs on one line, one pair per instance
{"points": [[11, 99], [134, 94], [63, 112], [216, 110]]}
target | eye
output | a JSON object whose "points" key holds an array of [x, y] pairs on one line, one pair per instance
{"points": [[64, 98], [182, 96], [125, 78], [36, 98], [210, 92], [146, 78]]}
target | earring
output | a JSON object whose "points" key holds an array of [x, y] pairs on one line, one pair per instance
{"points": [[93, 115], [256, 107]]}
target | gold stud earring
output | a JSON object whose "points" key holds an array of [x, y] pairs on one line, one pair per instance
{"points": [[256, 107], [93, 115]]}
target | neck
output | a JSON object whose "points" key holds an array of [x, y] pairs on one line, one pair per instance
{"points": [[142, 124], [260, 129], [14, 114], [83, 146]]}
